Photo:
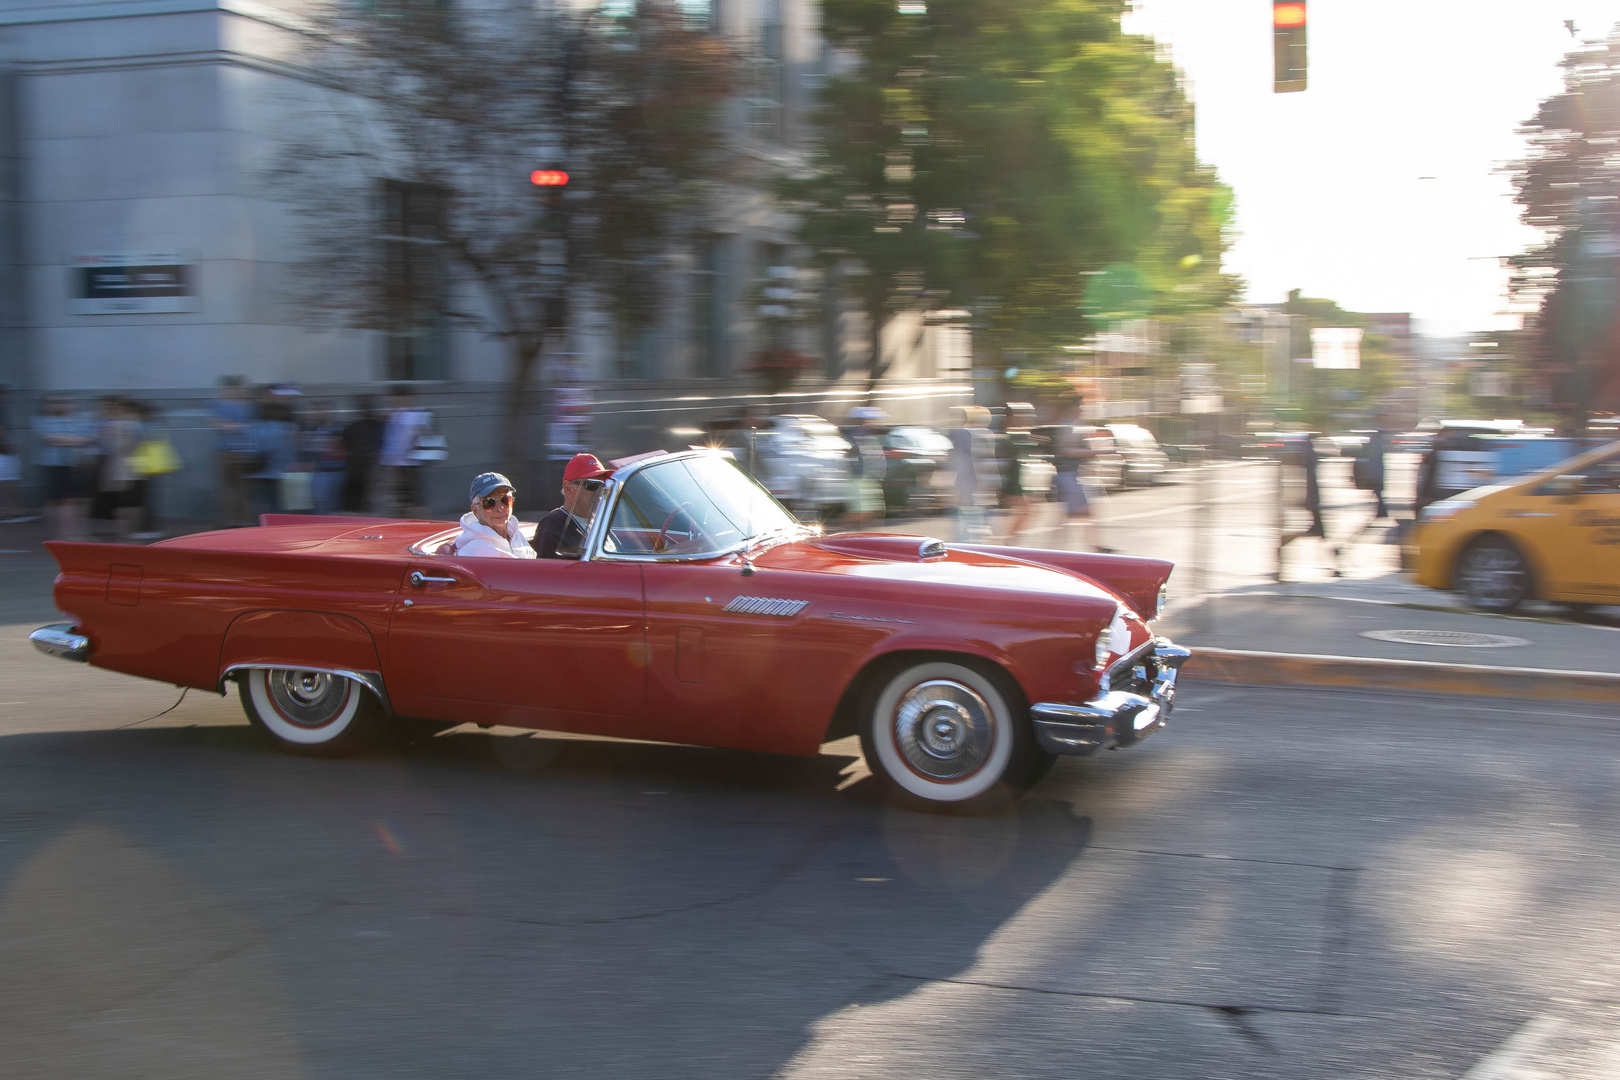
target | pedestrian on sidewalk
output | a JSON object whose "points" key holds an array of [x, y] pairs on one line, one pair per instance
{"points": [[1073, 456], [1308, 461], [362, 438], [62, 438], [119, 435], [1011, 497], [1368, 470], [401, 465], [275, 444], [232, 416], [11, 511], [977, 480]]}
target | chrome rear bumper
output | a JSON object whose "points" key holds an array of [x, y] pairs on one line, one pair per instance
{"points": [[1114, 718], [58, 639]]}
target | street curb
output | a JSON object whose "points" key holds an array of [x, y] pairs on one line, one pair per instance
{"points": [[1474, 680]]}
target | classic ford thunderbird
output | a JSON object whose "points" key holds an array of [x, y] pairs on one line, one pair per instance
{"points": [[698, 611]]}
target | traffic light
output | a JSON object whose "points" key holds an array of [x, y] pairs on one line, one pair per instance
{"points": [[1288, 45], [548, 178]]}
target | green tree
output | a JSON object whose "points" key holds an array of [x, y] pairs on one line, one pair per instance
{"points": [[1569, 188], [1025, 159], [462, 105]]}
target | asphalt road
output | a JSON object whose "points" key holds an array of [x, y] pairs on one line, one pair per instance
{"points": [[1285, 884]]}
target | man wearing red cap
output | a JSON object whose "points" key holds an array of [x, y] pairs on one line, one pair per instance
{"points": [[561, 533]]}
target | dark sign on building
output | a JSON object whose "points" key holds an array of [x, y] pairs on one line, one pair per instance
{"points": [[124, 284]]}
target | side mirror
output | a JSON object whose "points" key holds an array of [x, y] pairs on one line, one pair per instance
{"points": [[1564, 486]]}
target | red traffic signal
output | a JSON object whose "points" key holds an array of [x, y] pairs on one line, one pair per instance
{"points": [[548, 178], [1288, 46]]}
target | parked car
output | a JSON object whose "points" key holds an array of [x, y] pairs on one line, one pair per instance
{"points": [[1554, 535], [699, 612], [1144, 462], [801, 459], [918, 466]]}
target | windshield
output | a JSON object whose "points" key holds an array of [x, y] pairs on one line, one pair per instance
{"points": [[691, 507]]}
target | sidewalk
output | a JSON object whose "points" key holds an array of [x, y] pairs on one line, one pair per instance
{"points": [[1316, 634]]}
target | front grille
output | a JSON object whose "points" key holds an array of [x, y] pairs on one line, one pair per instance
{"points": [[1134, 672]]}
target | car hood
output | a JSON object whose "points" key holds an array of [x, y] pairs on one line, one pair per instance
{"points": [[893, 557]]}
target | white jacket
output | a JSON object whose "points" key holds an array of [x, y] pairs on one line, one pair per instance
{"points": [[478, 539]]}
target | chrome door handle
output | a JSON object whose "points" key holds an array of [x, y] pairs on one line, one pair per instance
{"points": [[419, 579]]}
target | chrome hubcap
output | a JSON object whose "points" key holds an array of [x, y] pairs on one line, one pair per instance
{"points": [[943, 729], [307, 698]]}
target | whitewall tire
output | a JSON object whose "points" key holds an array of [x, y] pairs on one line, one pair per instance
{"points": [[308, 712], [941, 734]]}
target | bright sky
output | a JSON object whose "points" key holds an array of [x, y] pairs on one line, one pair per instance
{"points": [[1330, 195]]}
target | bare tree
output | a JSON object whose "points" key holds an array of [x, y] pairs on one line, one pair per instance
{"points": [[434, 124]]}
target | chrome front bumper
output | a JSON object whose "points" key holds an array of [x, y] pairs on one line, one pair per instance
{"points": [[1115, 718], [58, 639]]}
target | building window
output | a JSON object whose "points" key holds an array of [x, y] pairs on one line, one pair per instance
{"points": [[765, 112], [707, 297], [701, 15], [415, 282]]}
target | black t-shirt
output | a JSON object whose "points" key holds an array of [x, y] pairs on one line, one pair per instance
{"points": [[559, 536]]}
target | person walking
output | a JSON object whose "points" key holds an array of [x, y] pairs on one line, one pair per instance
{"points": [[401, 464], [154, 457], [275, 446], [1072, 457], [1369, 470], [61, 439], [977, 478], [1308, 460], [118, 437], [11, 511], [232, 415], [361, 439], [323, 449]]}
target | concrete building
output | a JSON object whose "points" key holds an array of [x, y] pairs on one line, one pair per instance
{"points": [[141, 251]]}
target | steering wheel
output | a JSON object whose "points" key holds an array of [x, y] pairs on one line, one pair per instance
{"points": [[662, 541]]}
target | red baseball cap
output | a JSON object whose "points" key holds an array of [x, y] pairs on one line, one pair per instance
{"points": [[585, 467]]}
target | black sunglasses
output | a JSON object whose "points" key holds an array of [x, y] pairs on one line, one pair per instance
{"points": [[497, 500], [590, 485]]}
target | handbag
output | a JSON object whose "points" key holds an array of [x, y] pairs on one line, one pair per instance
{"points": [[297, 492], [430, 447], [154, 457]]}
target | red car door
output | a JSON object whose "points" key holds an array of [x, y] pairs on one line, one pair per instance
{"points": [[739, 661], [536, 642]]}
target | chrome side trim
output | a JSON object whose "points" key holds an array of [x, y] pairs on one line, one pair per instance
{"points": [[371, 680], [766, 605], [59, 640]]}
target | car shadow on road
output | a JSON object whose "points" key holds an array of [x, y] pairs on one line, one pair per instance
{"points": [[561, 907]]}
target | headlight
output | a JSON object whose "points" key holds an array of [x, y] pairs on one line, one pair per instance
{"points": [[1446, 509]]}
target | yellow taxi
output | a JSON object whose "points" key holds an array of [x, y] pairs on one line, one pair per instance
{"points": [[1553, 535]]}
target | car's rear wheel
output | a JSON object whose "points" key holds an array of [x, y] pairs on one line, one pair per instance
{"points": [[1492, 574], [315, 713], [942, 735]]}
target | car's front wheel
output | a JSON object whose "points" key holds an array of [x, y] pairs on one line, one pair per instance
{"points": [[1492, 574], [942, 735], [316, 713]]}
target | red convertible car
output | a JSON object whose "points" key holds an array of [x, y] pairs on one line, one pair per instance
{"points": [[699, 611]]}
